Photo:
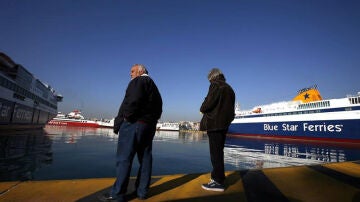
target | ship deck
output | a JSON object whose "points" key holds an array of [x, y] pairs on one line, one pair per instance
{"points": [[327, 182]]}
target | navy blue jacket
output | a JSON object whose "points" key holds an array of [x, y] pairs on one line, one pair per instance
{"points": [[142, 102]]}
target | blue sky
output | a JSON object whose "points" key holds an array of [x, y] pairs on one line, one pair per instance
{"points": [[268, 50]]}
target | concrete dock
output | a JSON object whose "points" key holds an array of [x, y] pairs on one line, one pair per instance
{"points": [[327, 182]]}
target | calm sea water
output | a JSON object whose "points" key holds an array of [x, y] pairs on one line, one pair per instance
{"points": [[74, 153]]}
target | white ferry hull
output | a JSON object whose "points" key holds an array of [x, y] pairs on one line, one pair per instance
{"points": [[19, 116], [330, 120]]}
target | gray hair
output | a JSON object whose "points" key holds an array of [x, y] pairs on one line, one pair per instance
{"points": [[214, 74], [141, 68]]}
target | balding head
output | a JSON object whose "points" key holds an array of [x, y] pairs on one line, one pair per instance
{"points": [[137, 70]]}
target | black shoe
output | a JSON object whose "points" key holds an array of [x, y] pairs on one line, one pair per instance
{"points": [[213, 186], [108, 197]]}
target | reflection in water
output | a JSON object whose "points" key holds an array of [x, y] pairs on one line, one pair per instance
{"points": [[176, 136], [59, 152], [22, 154], [254, 153], [71, 135]]}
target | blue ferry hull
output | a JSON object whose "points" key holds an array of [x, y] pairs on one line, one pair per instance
{"points": [[329, 130]]}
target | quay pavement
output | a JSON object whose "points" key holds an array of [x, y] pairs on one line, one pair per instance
{"points": [[326, 182]]}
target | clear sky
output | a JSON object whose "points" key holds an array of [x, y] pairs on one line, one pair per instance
{"points": [[268, 50]]}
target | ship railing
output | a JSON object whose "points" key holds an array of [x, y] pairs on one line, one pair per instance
{"points": [[351, 95]]}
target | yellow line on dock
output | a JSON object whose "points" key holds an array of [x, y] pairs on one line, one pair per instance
{"points": [[327, 182]]}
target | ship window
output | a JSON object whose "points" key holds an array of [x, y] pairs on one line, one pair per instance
{"points": [[355, 100], [5, 83], [10, 86]]}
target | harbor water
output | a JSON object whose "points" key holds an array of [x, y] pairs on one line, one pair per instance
{"points": [[59, 152]]}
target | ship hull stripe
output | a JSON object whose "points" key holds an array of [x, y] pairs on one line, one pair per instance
{"points": [[321, 129], [310, 111]]}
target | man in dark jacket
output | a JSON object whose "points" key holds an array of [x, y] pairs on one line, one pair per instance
{"points": [[136, 126], [218, 111]]}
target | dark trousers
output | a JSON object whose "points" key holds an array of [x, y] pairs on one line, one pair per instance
{"points": [[134, 138], [216, 144]]}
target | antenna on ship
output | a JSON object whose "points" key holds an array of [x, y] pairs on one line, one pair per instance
{"points": [[237, 106]]}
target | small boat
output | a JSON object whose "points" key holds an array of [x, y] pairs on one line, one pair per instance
{"points": [[73, 118], [106, 123], [168, 126], [306, 117]]}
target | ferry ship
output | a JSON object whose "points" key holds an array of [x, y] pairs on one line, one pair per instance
{"points": [[74, 118], [307, 117], [25, 101]]}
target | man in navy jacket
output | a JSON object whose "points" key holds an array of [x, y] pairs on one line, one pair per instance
{"points": [[136, 126]]}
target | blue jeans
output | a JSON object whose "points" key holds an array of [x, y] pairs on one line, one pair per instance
{"points": [[134, 138]]}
